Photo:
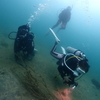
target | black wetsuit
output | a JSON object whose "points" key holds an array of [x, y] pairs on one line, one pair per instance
{"points": [[65, 16], [24, 41], [63, 70]]}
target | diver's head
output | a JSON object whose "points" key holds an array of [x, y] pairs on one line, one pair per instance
{"points": [[27, 27], [23, 35], [69, 8]]}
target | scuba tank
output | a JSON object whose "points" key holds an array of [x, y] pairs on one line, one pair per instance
{"points": [[76, 52]]}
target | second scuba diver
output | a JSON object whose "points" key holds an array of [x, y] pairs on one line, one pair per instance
{"points": [[64, 18], [24, 42]]}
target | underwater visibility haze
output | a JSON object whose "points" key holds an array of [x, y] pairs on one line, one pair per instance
{"points": [[82, 32]]}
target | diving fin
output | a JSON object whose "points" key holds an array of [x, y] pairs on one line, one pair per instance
{"points": [[56, 38]]}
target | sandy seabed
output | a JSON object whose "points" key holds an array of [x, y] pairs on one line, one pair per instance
{"points": [[11, 88]]}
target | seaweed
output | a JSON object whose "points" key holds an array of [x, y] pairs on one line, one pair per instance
{"points": [[34, 83]]}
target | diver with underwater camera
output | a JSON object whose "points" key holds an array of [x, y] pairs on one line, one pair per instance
{"points": [[71, 65]]}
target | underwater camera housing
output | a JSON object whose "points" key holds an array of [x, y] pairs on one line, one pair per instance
{"points": [[76, 52]]}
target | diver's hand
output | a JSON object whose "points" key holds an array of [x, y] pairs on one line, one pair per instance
{"points": [[66, 78], [57, 40]]}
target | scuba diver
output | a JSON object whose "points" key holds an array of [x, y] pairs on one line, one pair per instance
{"points": [[70, 65], [24, 43], [64, 17]]}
